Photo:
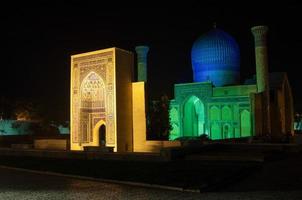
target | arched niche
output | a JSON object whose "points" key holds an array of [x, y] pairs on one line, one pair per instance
{"points": [[193, 117], [245, 123]]}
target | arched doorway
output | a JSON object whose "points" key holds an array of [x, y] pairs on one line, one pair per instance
{"points": [[227, 131], [193, 117], [99, 133], [102, 135]]}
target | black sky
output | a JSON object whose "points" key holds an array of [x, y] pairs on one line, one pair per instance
{"points": [[38, 40]]}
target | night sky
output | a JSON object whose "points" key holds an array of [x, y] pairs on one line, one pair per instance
{"points": [[37, 41]]}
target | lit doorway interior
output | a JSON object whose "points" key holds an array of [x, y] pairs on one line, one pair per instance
{"points": [[102, 135]]}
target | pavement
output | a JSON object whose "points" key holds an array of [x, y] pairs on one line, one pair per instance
{"points": [[21, 185], [183, 174], [255, 172]]}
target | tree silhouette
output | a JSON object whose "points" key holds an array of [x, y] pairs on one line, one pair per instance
{"points": [[158, 120]]}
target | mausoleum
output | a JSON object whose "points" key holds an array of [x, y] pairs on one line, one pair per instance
{"points": [[108, 102]]}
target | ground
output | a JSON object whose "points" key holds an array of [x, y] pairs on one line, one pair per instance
{"points": [[277, 176], [22, 185]]}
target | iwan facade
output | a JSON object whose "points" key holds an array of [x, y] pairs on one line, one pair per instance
{"points": [[101, 99]]}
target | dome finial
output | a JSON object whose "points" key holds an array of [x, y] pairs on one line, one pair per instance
{"points": [[214, 25]]}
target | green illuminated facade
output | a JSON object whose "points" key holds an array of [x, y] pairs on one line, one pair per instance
{"points": [[217, 105], [219, 112]]}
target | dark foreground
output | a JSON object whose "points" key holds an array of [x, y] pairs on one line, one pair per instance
{"points": [[223, 173], [186, 174], [24, 185]]}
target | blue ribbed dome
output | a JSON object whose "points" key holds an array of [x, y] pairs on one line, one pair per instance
{"points": [[216, 57]]}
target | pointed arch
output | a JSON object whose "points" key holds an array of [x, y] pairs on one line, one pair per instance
{"points": [[227, 131], [193, 117], [226, 113], [92, 101], [92, 91], [96, 132], [214, 113]]}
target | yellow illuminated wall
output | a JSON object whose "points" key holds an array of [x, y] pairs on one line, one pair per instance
{"points": [[139, 115], [140, 142], [101, 95], [123, 79], [92, 98]]}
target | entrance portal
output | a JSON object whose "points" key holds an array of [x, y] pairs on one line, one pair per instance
{"points": [[193, 117], [102, 136]]}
